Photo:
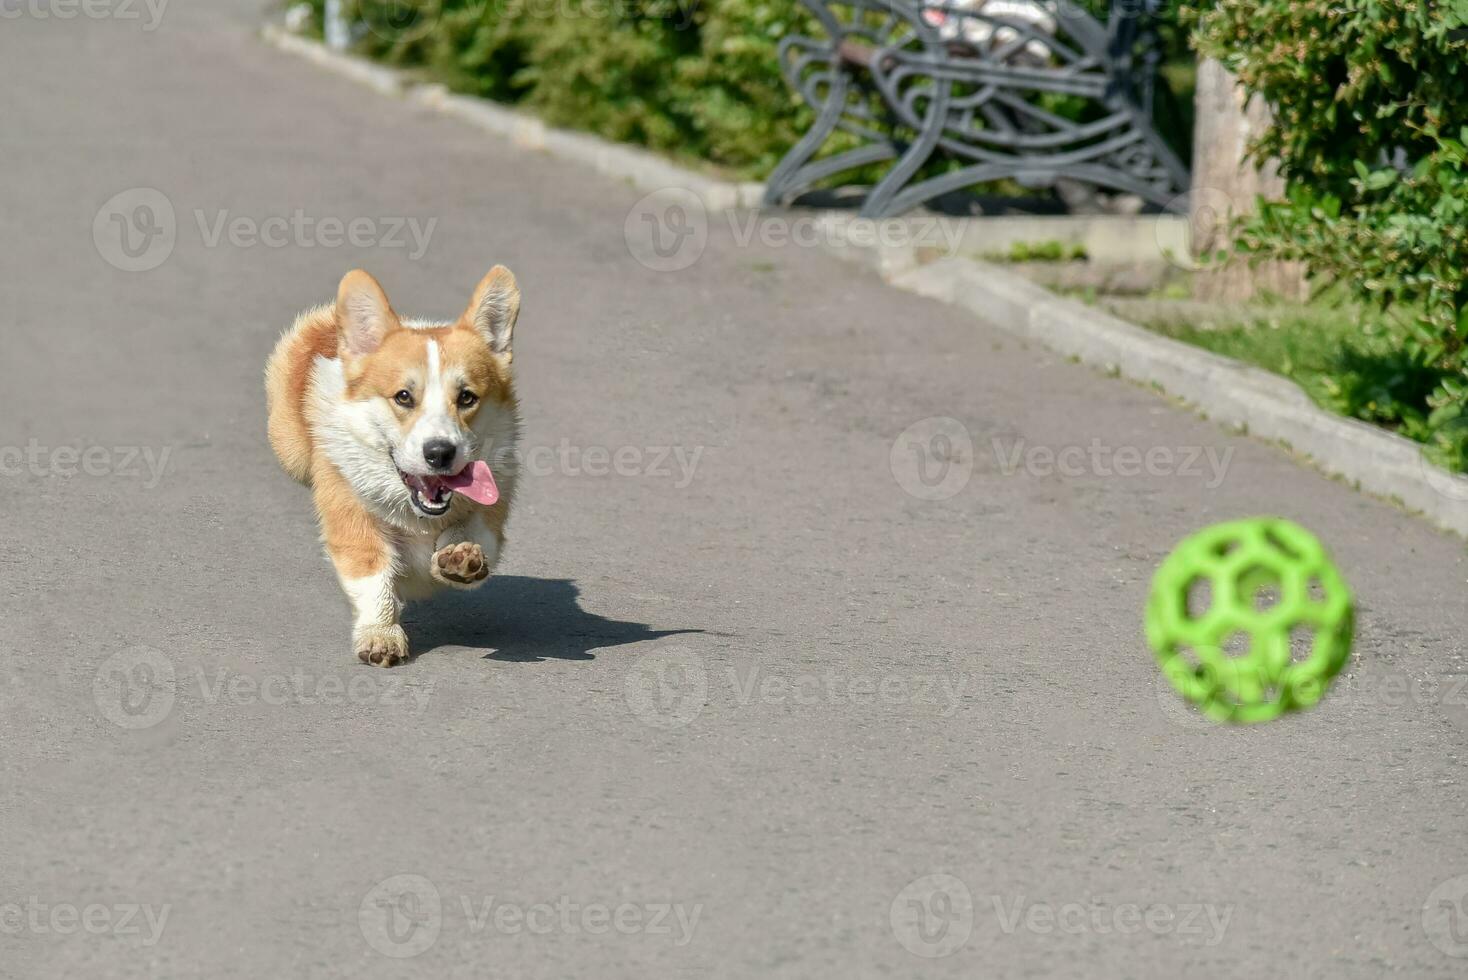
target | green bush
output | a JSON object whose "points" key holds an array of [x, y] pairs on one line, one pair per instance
{"points": [[697, 80], [1369, 98]]}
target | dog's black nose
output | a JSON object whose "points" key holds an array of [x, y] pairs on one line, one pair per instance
{"points": [[439, 453]]}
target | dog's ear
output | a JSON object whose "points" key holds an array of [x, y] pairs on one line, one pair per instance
{"points": [[363, 314], [493, 310]]}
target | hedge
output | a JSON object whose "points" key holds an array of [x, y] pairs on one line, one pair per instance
{"points": [[1369, 99], [694, 80]]}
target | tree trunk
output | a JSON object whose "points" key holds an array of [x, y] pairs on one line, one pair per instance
{"points": [[1225, 185]]}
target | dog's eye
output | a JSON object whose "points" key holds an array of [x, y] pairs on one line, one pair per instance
{"points": [[404, 398], [467, 399]]}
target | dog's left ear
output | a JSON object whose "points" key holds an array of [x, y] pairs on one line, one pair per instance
{"points": [[494, 309]]}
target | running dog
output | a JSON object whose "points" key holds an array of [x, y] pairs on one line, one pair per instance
{"points": [[390, 423]]}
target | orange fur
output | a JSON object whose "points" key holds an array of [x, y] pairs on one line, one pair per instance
{"points": [[359, 544], [337, 382], [287, 377]]}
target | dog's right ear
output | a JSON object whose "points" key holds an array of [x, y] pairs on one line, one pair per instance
{"points": [[363, 315]]}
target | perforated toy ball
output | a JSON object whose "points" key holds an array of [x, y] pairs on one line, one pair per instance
{"points": [[1250, 619]]}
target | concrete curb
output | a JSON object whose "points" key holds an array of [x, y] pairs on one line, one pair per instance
{"points": [[643, 169], [1226, 390], [376, 77]]}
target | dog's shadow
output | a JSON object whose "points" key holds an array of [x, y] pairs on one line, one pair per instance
{"points": [[523, 620]]}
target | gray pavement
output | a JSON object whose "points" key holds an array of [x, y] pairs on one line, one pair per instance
{"points": [[779, 716]]}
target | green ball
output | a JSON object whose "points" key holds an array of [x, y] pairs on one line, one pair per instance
{"points": [[1250, 619]]}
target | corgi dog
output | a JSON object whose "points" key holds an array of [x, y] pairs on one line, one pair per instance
{"points": [[390, 423]]}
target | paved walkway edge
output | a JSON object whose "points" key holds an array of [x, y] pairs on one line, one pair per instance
{"points": [[1228, 391]]}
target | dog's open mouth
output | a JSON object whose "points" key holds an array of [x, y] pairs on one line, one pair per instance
{"points": [[434, 495]]}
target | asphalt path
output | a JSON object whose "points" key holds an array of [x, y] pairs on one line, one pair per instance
{"points": [[807, 658]]}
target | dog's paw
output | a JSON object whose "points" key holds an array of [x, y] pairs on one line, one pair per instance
{"points": [[461, 565], [381, 646]]}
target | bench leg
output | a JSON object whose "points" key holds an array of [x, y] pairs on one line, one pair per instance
{"points": [[787, 181], [880, 203]]}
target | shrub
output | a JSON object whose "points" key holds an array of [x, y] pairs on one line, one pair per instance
{"points": [[1366, 97], [699, 80]]}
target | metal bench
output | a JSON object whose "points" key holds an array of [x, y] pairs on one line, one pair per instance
{"points": [[912, 80]]}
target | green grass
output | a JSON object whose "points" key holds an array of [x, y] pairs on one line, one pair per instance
{"points": [[1047, 251], [1349, 360]]}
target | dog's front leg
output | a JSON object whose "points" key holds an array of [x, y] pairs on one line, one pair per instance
{"points": [[466, 554], [365, 564]]}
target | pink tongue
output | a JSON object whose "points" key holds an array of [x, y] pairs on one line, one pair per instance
{"points": [[476, 482]]}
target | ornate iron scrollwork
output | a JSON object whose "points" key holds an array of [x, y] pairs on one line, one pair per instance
{"points": [[969, 80]]}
